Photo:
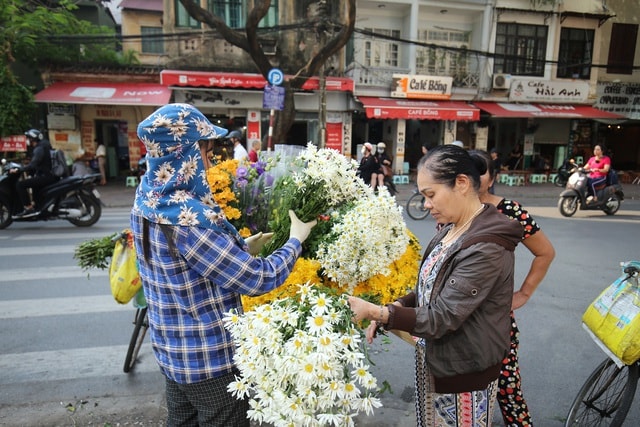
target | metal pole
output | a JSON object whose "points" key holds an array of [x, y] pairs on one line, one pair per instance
{"points": [[271, 120]]}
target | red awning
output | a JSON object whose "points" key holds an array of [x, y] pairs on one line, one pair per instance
{"points": [[242, 80], [560, 111], [105, 93], [388, 108]]}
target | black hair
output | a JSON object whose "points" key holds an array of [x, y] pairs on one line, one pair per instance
{"points": [[483, 162], [446, 162]]}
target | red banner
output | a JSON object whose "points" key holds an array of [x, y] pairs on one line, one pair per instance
{"points": [[334, 136], [13, 143], [243, 80]]}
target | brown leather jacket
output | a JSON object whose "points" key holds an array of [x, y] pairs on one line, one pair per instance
{"points": [[466, 324]]}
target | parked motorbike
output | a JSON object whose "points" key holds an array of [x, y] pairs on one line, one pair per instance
{"points": [[73, 198], [563, 173], [576, 192]]}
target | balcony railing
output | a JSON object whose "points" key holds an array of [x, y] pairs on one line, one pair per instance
{"points": [[374, 76], [463, 67]]}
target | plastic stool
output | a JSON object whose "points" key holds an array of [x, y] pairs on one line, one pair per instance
{"points": [[404, 179], [515, 180], [132, 181], [535, 178]]}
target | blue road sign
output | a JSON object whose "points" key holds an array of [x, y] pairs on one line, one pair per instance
{"points": [[275, 76], [273, 98]]}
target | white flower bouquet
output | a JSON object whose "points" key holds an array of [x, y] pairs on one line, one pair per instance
{"points": [[319, 180], [301, 361], [363, 239]]}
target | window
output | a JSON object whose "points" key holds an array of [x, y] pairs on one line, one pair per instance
{"points": [[381, 52], [231, 11], [520, 49], [622, 48], [182, 17], [152, 41], [575, 57], [442, 61]]}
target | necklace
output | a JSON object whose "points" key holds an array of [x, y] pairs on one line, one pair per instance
{"points": [[453, 236]]}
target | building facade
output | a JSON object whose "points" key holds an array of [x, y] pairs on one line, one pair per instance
{"points": [[550, 76]]}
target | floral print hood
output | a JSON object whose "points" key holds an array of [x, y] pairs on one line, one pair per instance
{"points": [[174, 190]]}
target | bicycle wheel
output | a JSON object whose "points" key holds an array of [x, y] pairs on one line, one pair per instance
{"points": [[415, 207], [606, 396], [137, 338]]}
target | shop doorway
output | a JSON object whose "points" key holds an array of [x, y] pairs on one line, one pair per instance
{"points": [[113, 134]]}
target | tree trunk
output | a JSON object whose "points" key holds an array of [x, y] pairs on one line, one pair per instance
{"points": [[284, 119]]}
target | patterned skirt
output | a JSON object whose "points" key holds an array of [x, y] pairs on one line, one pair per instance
{"points": [[468, 409]]}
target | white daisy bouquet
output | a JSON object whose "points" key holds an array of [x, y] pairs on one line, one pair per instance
{"points": [[301, 361], [320, 180], [365, 236]]}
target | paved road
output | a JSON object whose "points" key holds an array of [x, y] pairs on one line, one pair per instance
{"points": [[64, 338]]}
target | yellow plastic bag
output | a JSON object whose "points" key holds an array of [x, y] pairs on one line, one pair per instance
{"points": [[614, 317], [123, 270]]}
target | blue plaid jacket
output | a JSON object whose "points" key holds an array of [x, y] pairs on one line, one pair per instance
{"points": [[188, 295]]}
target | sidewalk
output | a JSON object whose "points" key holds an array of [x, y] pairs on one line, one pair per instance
{"points": [[117, 195]]}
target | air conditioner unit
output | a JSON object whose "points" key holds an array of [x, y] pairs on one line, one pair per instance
{"points": [[501, 81]]}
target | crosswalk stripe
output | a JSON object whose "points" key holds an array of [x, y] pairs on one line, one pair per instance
{"points": [[67, 364], [17, 309], [58, 236], [45, 273], [37, 250]]}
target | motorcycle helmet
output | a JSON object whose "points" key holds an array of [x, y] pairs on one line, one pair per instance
{"points": [[382, 145], [34, 134]]}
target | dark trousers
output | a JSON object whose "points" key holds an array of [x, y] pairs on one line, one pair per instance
{"points": [[205, 404], [35, 183]]}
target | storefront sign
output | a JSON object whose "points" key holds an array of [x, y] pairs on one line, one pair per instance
{"points": [[253, 125], [61, 121], [421, 87], [334, 131], [13, 143], [619, 98], [525, 90]]}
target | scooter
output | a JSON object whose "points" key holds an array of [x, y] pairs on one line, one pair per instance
{"points": [[575, 195], [73, 198], [563, 173]]}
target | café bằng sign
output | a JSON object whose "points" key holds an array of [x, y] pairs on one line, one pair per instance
{"points": [[421, 87]]}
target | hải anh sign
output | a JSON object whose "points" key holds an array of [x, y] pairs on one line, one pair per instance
{"points": [[530, 90]]}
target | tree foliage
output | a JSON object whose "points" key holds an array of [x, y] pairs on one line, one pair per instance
{"points": [[332, 35], [38, 33]]}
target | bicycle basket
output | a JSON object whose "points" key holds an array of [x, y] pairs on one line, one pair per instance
{"points": [[614, 317]]}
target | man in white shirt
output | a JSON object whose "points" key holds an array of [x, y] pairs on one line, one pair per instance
{"points": [[239, 152]]}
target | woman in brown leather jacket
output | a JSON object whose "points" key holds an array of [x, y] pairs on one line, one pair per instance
{"points": [[459, 310]]}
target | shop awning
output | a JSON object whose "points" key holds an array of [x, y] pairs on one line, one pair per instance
{"points": [[242, 80], [559, 111], [105, 93], [389, 108]]}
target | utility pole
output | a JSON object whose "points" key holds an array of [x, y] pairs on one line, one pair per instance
{"points": [[322, 111]]}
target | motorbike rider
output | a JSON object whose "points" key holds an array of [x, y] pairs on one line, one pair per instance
{"points": [[40, 170], [598, 167]]}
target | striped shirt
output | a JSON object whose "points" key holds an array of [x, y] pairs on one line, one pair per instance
{"points": [[188, 295]]}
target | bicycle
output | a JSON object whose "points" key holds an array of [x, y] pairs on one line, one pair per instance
{"points": [[606, 396], [141, 324], [415, 206]]}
